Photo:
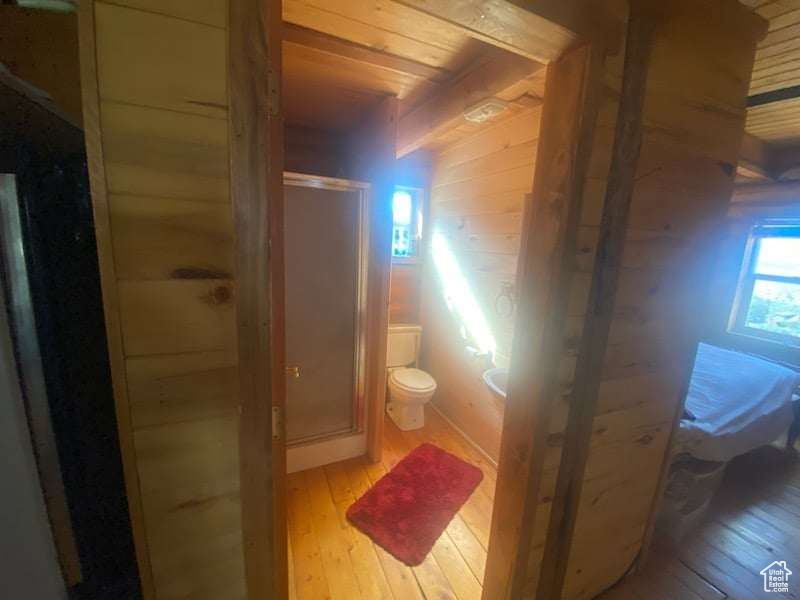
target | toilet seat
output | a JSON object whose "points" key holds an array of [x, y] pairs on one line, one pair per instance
{"points": [[413, 381]]}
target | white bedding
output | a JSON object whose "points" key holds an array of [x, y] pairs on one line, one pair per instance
{"points": [[739, 402]]}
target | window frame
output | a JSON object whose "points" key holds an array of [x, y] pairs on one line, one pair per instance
{"points": [[748, 279], [417, 224]]}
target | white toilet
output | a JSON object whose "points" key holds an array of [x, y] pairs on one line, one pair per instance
{"points": [[409, 388]]}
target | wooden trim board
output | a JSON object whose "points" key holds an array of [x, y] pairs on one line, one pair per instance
{"points": [[90, 97], [256, 170], [325, 452], [549, 232], [373, 160]]}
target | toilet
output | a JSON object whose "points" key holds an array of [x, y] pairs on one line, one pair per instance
{"points": [[410, 388]]}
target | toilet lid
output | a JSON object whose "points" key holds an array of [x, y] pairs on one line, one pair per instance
{"points": [[413, 380]]}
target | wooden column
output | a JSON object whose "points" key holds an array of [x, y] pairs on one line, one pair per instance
{"points": [[256, 168], [373, 149], [549, 238], [600, 313]]}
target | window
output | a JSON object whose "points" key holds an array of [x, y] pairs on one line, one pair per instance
{"points": [[407, 228], [768, 302]]}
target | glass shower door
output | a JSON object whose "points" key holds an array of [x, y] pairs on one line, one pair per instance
{"points": [[325, 299]]}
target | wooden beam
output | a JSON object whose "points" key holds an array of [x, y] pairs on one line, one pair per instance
{"points": [[256, 171], [755, 158], [373, 160], [787, 93], [502, 24], [552, 214], [787, 193], [600, 313], [784, 163], [302, 36], [444, 110]]}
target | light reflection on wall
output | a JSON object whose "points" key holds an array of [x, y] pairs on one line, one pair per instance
{"points": [[459, 297]]}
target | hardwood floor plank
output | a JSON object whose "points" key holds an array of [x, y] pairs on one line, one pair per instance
{"points": [[333, 560], [753, 520], [357, 476], [334, 543], [338, 482], [468, 545], [369, 572], [455, 569], [309, 574], [432, 581], [718, 568], [693, 581], [622, 592]]}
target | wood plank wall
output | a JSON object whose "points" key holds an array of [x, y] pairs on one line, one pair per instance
{"points": [[404, 296], [162, 84], [478, 189], [694, 119]]}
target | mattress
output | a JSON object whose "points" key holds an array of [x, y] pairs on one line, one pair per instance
{"points": [[739, 402]]}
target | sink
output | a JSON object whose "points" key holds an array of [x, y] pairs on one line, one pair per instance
{"points": [[497, 380]]}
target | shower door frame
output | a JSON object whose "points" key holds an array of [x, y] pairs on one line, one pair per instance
{"points": [[360, 366]]}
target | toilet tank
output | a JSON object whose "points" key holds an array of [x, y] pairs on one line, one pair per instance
{"points": [[403, 345]]}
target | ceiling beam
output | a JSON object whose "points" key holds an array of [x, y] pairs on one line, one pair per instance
{"points": [[784, 193], [444, 109], [755, 159], [787, 93], [322, 42], [761, 161], [502, 24]]}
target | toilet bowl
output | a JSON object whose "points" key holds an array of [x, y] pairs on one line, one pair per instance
{"points": [[409, 392], [409, 388]]}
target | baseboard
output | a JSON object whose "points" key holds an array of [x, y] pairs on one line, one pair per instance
{"points": [[471, 442], [326, 452]]}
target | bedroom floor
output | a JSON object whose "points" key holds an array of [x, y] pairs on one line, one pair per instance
{"points": [[329, 558], [754, 520]]}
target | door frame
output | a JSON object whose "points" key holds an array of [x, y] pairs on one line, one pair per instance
{"points": [[255, 129], [549, 236]]}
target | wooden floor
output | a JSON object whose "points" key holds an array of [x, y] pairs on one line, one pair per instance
{"points": [[331, 559], [754, 520]]}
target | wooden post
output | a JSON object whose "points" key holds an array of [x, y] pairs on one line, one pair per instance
{"points": [[256, 168], [549, 229], [373, 150], [605, 276]]}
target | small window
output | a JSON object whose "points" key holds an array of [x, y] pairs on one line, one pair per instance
{"points": [[407, 227], [768, 301]]}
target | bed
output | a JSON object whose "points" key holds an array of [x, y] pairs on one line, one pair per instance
{"points": [[736, 403]]}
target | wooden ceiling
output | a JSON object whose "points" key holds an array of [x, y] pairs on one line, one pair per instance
{"points": [[777, 68], [341, 57], [332, 77]]}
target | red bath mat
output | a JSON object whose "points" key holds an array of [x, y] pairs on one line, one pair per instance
{"points": [[408, 508]]}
